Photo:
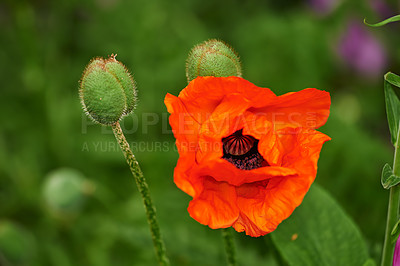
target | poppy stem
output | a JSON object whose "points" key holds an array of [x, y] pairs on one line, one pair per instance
{"points": [[144, 191], [393, 209], [229, 246]]}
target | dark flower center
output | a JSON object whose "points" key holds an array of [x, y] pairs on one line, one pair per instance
{"points": [[242, 151]]}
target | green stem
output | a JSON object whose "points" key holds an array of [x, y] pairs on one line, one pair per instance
{"points": [[393, 209], [229, 246], [144, 191]]}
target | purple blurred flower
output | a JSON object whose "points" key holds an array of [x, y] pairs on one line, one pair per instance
{"points": [[322, 7], [396, 255], [361, 51], [381, 8]]}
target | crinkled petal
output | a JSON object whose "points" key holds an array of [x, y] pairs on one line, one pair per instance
{"points": [[301, 148], [264, 205], [204, 94], [262, 129], [226, 119], [185, 130], [182, 177], [184, 126], [215, 205], [224, 171], [252, 200], [243, 223], [308, 108]]}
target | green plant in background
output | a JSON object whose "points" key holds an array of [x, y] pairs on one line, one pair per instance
{"points": [[17, 245], [390, 178], [65, 191], [108, 93]]}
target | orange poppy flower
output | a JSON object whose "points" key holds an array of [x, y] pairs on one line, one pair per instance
{"points": [[246, 156]]}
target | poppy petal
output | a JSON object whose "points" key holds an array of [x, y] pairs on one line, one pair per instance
{"points": [[243, 223], [301, 148], [214, 197], [184, 126], [252, 200], [204, 94], [226, 119], [267, 206], [307, 108], [262, 129], [223, 171], [182, 177]]}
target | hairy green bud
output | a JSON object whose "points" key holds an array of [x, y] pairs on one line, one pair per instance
{"points": [[107, 90], [212, 58], [65, 190]]}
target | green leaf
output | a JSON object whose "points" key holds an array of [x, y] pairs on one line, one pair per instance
{"points": [[392, 104], [395, 232], [388, 178], [393, 79], [320, 233], [386, 21], [395, 229]]}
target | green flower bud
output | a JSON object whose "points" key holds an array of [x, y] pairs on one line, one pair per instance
{"points": [[107, 90], [65, 191], [212, 58]]}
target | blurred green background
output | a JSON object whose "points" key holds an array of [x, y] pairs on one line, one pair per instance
{"points": [[66, 194]]}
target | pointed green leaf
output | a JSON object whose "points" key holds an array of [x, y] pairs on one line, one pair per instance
{"points": [[395, 232], [391, 181], [388, 178], [320, 233], [393, 79], [392, 104], [386, 21], [395, 228]]}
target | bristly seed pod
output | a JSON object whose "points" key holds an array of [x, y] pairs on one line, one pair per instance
{"points": [[107, 90], [238, 144], [212, 58]]}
